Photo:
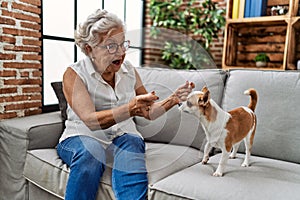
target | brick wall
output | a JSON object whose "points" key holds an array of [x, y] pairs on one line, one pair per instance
{"points": [[216, 49], [20, 58]]}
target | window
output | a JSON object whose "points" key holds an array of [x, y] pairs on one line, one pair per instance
{"points": [[60, 19]]}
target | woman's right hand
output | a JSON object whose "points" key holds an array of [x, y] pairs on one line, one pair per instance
{"points": [[141, 104]]}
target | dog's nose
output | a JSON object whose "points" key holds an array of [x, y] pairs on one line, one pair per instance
{"points": [[179, 104]]}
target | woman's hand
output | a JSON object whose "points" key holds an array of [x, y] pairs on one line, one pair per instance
{"points": [[183, 91], [145, 106], [141, 104], [159, 108]]}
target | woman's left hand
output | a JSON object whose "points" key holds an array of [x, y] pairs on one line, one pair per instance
{"points": [[159, 108], [183, 91]]}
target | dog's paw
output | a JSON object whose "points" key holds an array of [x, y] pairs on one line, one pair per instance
{"points": [[232, 155], [204, 161], [245, 164], [217, 174]]}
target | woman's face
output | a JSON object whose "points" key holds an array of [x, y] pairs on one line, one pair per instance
{"points": [[109, 54]]}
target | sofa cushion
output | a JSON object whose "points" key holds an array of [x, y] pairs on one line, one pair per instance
{"points": [[62, 102], [42, 131], [45, 169], [278, 111], [174, 126], [264, 179]]}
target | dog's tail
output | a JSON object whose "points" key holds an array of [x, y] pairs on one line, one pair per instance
{"points": [[253, 101]]}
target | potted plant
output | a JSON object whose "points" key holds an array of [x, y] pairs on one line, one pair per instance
{"points": [[261, 60], [199, 21]]}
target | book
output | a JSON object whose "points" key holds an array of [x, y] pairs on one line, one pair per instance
{"points": [[235, 9], [247, 8], [253, 7], [262, 7], [242, 8], [258, 8]]}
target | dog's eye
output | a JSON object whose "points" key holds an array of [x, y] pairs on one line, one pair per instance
{"points": [[189, 104]]}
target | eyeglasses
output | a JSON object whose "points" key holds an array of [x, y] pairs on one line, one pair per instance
{"points": [[113, 47]]}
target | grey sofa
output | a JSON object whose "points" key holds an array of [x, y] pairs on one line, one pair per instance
{"points": [[31, 169]]}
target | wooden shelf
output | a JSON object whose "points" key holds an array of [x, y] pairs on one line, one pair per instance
{"points": [[277, 36], [242, 67], [259, 19]]}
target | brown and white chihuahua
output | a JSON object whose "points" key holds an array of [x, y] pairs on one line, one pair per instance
{"points": [[224, 130]]}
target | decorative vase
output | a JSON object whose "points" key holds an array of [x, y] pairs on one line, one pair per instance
{"points": [[261, 64]]}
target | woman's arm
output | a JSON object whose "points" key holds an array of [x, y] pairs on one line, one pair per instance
{"points": [[159, 108], [80, 101]]}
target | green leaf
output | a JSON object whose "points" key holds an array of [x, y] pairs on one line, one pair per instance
{"points": [[205, 22]]}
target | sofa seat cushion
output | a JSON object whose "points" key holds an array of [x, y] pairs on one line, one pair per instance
{"points": [[45, 169], [165, 159], [265, 179]]}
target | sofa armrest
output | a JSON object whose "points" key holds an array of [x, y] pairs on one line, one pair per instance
{"points": [[16, 137], [40, 131]]}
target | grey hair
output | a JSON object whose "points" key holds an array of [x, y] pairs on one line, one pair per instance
{"points": [[101, 22]]}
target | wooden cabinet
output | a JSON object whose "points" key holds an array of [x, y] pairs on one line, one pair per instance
{"points": [[277, 36]]}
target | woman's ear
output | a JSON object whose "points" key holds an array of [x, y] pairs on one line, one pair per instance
{"points": [[88, 48]]}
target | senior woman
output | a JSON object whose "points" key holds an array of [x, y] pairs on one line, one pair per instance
{"points": [[103, 93]]}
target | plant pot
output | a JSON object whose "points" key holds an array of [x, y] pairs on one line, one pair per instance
{"points": [[261, 64]]}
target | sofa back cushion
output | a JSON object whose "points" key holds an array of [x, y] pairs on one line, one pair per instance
{"points": [[278, 111], [174, 126]]}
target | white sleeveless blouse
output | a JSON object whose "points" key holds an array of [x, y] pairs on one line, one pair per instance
{"points": [[104, 98]]}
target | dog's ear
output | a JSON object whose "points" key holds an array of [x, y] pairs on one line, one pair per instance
{"points": [[206, 97], [204, 89], [203, 99]]}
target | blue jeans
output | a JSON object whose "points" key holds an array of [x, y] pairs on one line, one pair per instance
{"points": [[86, 158]]}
